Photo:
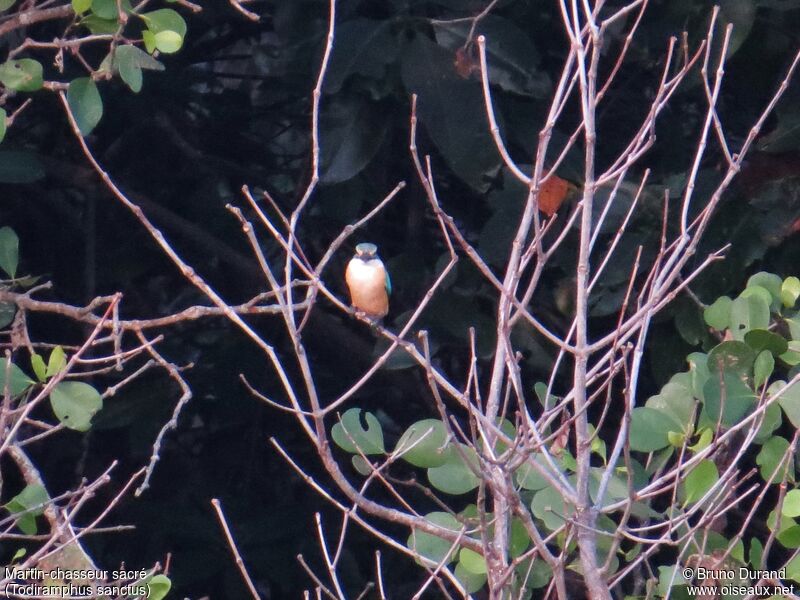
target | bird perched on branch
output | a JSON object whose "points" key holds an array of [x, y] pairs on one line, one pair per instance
{"points": [[368, 282]]}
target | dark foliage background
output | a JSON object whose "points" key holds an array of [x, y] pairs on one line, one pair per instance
{"points": [[233, 108]]}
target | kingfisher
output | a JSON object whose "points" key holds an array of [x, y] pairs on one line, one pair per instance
{"points": [[369, 282]]}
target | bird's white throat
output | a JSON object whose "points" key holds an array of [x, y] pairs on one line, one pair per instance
{"points": [[365, 270]]}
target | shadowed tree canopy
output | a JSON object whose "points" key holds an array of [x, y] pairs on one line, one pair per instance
{"points": [[180, 124]]}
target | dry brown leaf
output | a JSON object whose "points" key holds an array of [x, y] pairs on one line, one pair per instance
{"points": [[552, 194]]}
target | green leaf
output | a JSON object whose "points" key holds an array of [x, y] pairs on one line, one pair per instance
{"points": [[498, 231], [9, 251], [130, 61], [773, 418], [756, 552], [7, 312], [6, 4], [85, 103], [737, 551], [130, 72], [432, 547], [528, 477], [456, 476], [31, 499], [761, 339], [741, 15], [20, 167], [676, 440], [361, 465], [598, 446], [793, 569], [791, 504], [551, 508], [108, 10], [534, 573], [352, 131], [363, 47], [789, 400], [790, 291], [165, 30], [158, 586], [785, 136], [792, 356], [399, 358], [149, 39], [28, 281], [718, 315], [790, 538], [770, 456], [39, 368], [727, 398], [351, 436], [472, 561], [763, 368], [423, 444], [749, 311], [105, 68], [81, 6], [633, 553], [452, 111], [167, 42], [568, 462], [511, 56], [19, 382], [698, 373], [770, 282], [540, 388], [33, 495], [699, 480], [3, 123], [105, 9], [649, 428], [507, 428], [733, 357], [772, 522], [675, 400], [75, 403], [472, 582], [56, 362], [689, 323], [100, 26], [165, 19], [519, 540], [667, 577], [760, 292], [23, 75], [705, 439], [617, 486], [27, 524]]}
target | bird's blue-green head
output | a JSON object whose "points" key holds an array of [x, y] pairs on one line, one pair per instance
{"points": [[366, 251]]}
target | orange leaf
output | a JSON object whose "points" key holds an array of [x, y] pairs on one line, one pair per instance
{"points": [[552, 193], [465, 63]]}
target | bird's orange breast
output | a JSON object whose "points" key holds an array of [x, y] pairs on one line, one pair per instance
{"points": [[367, 285]]}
